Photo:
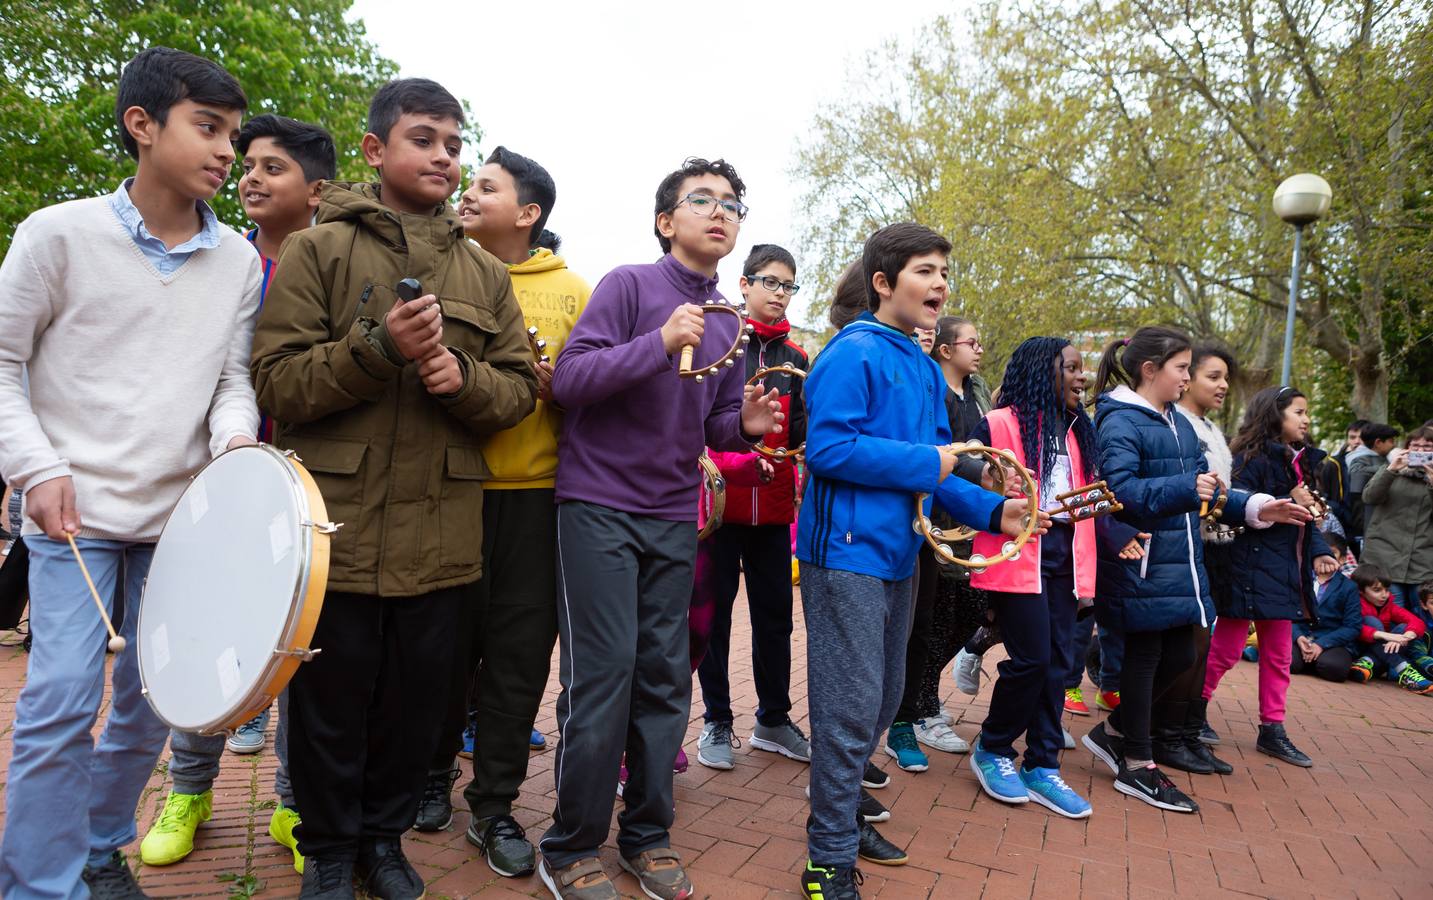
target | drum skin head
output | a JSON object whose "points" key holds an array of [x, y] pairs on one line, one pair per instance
{"points": [[226, 590]]}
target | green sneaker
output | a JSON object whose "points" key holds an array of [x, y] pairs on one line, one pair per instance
{"points": [[1361, 670], [281, 828], [1410, 679], [171, 837]]}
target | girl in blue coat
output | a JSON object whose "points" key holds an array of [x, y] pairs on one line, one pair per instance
{"points": [[1151, 459], [1273, 568]]}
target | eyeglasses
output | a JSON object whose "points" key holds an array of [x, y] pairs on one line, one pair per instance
{"points": [[973, 342], [703, 204], [772, 283]]}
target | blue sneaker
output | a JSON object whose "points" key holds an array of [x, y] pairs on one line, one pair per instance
{"points": [[536, 741], [470, 738], [1048, 789], [250, 736], [901, 743], [997, 775]]}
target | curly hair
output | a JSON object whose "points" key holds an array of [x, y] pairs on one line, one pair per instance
{"points": [[1037, 393]]}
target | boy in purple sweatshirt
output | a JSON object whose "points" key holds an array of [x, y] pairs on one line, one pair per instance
{"points": [[627, 487]]}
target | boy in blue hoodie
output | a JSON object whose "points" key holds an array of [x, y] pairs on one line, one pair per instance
{"points": [[877, 433]]}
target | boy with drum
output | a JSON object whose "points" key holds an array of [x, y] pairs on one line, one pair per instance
{"points": [[133, 313], [386, 391], [284, 163]]}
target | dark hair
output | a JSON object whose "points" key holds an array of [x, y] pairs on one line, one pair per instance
{"points": [[1377, 431], [1421, 433], [1122, 359], [1425, 590], [765, 254], [849, 301], [1263, 421], [549, 239], [890, 248], [692, 167], [1037, 394], [1205, 349], [534, 185], [311, 146], [1368, 574], [158, 78], [1337, 544], [421, 96], [946, 328], [1357, 425]]}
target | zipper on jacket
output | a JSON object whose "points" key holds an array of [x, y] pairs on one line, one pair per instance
{"points": [[1188, 535], [1144, 563]]}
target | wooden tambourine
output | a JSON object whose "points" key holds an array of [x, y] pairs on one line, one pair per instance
{"points": [[1087, 502], [778, 453], [738, 347], [1215, 531], [537, 345], [712, 501], [940, 540]]}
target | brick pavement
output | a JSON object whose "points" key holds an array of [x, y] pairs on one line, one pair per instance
{"points": [[1352, 826]]}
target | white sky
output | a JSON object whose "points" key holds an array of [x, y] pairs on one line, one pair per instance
{"points": [[609, 97]]}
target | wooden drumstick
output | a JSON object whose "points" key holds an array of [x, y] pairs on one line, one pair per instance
{"points": [[116, 643]]}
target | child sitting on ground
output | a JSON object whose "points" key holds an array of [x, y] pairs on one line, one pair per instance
{"points": [[1389, 630], [1326, 648]]}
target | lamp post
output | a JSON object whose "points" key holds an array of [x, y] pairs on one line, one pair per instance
{"points": [[1300, 200]]}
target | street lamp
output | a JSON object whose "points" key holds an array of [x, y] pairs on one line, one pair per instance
{"points": [[1300, 200]]}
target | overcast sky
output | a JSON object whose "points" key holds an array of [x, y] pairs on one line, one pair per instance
{"points": [[609, 97]]}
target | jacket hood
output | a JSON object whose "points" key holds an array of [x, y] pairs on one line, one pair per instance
{"points": [[1125, 396], [867, 323], [544, 260], [362, 202], [1358, 453]]}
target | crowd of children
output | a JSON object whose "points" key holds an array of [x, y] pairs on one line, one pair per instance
{"points": [[500, 501]]}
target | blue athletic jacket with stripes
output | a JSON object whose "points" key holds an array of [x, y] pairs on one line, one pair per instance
{"points": [[875, 408]]}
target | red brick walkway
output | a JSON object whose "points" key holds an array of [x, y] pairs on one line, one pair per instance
{"points": [[1354, 825]]}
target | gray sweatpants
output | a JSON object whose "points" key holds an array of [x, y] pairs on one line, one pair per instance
{"points": [[624, 583], [194, 758], [857, 627]]}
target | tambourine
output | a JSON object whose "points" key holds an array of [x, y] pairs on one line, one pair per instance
{"points": [[537, 345], [1214, 531], [1088, 502], [940, 540], [713, 487], [778, 453], [1318, 505], [738, 347]]}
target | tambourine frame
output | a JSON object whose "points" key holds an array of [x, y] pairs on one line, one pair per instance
{"points": [[537, 345], [738, 346], [937, 539], [305, 602], [712, 475], [778, 453], [1089, 501]]}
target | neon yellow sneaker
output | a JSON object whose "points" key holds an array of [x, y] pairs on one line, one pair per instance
{"points": [[171, 837], [281, 828]]}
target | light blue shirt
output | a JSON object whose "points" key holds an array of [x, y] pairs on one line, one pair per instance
{"points": [[161, 257]]}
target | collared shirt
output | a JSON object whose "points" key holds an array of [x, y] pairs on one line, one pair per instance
{"points": [[163, 259]]}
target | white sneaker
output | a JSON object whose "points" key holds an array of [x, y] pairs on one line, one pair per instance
{"points": [[937, 734], [967, 672], [1069, 739]]}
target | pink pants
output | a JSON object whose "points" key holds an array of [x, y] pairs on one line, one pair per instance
{"points": [[1276, 652]]}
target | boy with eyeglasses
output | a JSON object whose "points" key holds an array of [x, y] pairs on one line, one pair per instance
{"points": [[626, 490], [756, 539]]}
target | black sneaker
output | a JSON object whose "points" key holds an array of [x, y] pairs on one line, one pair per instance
{"points": [[386, 872], [819, 883], [1154, 787], [1106, 747], [503, 841], [875, 848], [113, 880], [1208, 735], [874, 778], [1275, 742], [327, 879], [871, 809], [435, 810]]}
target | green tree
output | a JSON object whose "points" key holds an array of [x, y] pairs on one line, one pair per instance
{"points": [[59, 68]]}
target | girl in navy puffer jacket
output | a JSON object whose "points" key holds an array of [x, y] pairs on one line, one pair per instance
{"points": [[1272, 568], [1151, 459]]}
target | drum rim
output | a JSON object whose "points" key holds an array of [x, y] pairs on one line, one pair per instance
{"points": [[221, 723]]}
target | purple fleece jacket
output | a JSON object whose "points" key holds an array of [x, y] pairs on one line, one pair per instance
{"points": [[633, 429]]}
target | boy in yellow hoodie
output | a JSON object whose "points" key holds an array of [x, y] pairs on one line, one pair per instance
{"points": [[512, 615]]}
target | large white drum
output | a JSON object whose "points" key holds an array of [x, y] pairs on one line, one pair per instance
{"points": [[234, 592]]}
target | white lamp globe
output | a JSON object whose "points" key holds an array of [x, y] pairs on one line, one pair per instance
{"points": [[1302, 199]]}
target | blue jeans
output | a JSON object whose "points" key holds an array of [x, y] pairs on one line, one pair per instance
{"points": [[857, 627], [1406, 596], [67, 799], [1383, 661], [194, 758]]}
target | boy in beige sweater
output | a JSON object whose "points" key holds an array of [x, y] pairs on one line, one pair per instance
{"points": [[133, 314]]}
